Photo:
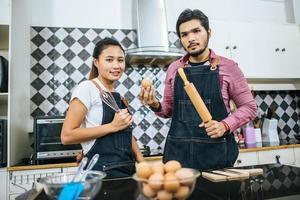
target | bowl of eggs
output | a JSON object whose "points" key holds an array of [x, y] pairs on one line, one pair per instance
{"points": [[165, 181]]}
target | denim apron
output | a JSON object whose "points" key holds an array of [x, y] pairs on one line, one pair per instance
{"points": [[186, 141], [116, 158]]}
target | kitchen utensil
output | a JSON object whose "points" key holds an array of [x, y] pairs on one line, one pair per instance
{"points": [[69, 190], [54, 184], [109, 100], [231, 174], [195, 98], [72, 190]]}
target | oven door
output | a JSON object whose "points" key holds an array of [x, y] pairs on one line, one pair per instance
{"points": [[47, 139]]}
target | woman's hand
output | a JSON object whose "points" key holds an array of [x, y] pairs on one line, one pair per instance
{"points": [[121, 120], [214, 128], [147, 96]]}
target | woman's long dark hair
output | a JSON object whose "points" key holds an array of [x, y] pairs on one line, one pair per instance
{"points": [[100, 46]]}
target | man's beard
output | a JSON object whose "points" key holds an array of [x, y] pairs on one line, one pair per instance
{"points": [[199, 52]]}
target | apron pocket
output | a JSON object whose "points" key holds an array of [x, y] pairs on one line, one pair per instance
{"points": [[209, 153], [188, 113], [177, 148], [201, 154], [119, 169]]}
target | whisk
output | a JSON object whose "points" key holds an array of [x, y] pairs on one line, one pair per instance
{"points": [[109, 100]]}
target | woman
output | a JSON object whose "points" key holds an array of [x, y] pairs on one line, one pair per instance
{"points": [[94, 124]]}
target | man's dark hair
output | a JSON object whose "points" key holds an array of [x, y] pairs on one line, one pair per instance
{"points": [[188, 15]]}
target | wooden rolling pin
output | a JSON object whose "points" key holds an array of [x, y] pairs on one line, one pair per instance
{"points": [[195, 98]]}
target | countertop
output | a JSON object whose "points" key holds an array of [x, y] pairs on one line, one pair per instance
{"points": [[277, 181], [243, 148]]}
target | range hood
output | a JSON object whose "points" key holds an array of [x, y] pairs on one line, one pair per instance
{"points": [[152, 36]]}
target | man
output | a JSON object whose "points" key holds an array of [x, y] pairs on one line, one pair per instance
{"points": [[217, 79]]}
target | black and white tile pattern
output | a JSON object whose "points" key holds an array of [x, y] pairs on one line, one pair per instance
{"points": [[61, 58], [286, 107]]}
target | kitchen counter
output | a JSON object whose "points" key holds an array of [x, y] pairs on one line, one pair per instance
{"points": [[277, 181], [244, 148]]}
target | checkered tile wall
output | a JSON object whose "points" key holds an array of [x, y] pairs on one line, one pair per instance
{"points": [[286, 105], [61, 58]]}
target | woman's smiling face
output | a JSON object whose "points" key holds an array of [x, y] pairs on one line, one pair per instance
{"points": [[110, 63]]}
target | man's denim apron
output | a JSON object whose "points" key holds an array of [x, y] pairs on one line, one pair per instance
{"points": [[186, 141], [115, 151]]}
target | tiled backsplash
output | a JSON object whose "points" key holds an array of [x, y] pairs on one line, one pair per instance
{"points": [[61, 58], [286, 105]]}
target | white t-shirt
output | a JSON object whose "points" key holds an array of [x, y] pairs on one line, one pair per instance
{"points": [[89, 95]]}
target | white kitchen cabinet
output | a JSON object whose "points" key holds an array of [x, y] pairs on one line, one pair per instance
{"points": [[297, 156], [285, 156], [246, 159], [262, 50], [3, 183]]}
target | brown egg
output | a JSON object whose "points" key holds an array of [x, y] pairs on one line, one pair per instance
{"points": [[146, 83], [143, 170], [148, 191], [172, 166], [182, 192], [158, 168], [171, 183], [185, 176], [169, 174], [156, 181], [164, 195]]}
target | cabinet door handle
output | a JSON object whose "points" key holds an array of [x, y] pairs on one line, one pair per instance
{"points": [[234, 47], [227, 47], [277, 157], [277, 49], [283, 49]]}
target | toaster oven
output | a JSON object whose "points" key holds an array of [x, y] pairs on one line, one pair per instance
{"points": [[47, 142]]}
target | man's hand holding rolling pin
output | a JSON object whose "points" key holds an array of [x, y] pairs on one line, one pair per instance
{"points": [[214, 128]]}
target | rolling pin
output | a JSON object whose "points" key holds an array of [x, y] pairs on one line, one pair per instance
{"points": [[195, 98]]}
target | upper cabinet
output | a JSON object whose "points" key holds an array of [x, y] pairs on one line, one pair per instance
{"points": [[262, 50]]}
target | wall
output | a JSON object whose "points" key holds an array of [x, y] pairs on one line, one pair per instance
{"points": [[19, 96], [116, 14], [5, 11]]}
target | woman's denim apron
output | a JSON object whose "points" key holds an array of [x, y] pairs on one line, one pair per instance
{"points": [[186, 141], [115, 152]]}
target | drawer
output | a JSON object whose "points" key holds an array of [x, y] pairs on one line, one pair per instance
{"points": [[246, 159], [285, 156]]}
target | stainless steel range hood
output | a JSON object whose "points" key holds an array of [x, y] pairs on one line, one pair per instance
{"points": [[152, 35]]}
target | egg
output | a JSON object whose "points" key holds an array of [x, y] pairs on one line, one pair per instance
{"points": [[171, 183], [148, 191], [182, 192], [156, 181], [143, 170], [146, 83], [158, 168], [164, 195], [172, 166], [185, 176]]}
